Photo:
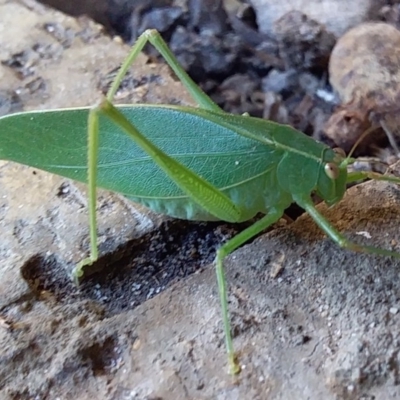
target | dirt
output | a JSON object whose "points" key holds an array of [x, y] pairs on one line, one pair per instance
{"points": [[262, 57], [310, 321]]}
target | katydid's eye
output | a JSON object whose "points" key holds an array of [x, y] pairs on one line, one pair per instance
{"points": [[340, 152], [332, 170]]}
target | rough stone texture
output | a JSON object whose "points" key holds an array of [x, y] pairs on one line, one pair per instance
{"points": [[326, 327], [311, 321], [337, 15]]}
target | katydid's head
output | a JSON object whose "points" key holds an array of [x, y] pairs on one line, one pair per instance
{"points": [[335, 168], [332, 184], [333, 178]]}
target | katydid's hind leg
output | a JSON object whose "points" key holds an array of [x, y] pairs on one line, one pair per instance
{"points": [[272, 216], [202, 192], [93, 149], [158, 42], [335, 235]]}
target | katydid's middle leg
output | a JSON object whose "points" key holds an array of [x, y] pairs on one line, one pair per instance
{"points": [[335, 235], [152, 36], [273, 215]]}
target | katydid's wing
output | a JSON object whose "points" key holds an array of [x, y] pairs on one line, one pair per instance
{"points": [[56, 141]]}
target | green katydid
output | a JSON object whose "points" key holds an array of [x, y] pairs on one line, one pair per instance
{"points": [[220, 166]]}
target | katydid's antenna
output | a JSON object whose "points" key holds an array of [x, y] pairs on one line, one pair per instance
{"points": [[359, 140]]}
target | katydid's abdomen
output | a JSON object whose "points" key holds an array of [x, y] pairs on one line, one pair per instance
{"points": [[251, 169]]}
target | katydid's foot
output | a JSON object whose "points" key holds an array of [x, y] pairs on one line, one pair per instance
{"points": [[78, 271], [234, 367]]}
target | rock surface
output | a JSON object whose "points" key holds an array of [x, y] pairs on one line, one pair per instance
{"points": [[311, 321], [337, 15]]}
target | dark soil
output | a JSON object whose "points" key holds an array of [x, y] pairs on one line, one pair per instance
{"points": [[282, 78]]}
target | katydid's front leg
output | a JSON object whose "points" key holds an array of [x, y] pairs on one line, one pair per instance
{"points": [[306, 203], [364, 175]]}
